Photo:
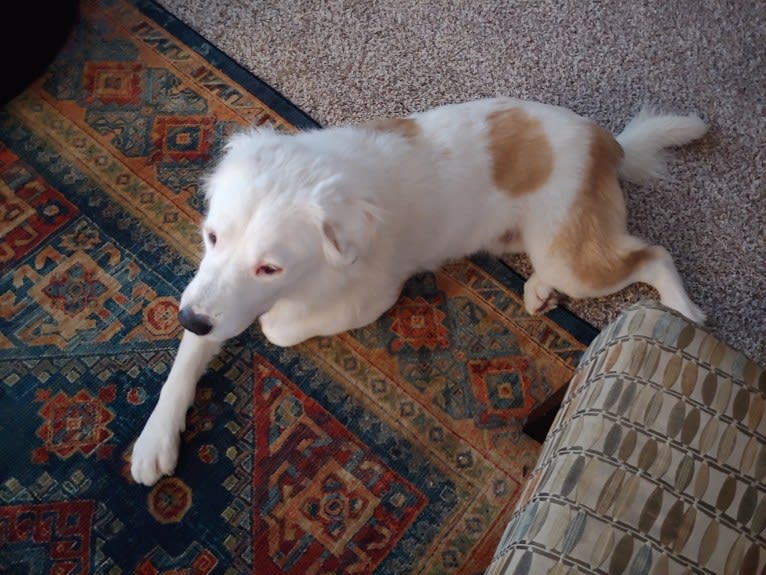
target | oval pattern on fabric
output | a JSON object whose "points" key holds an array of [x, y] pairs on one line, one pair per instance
{"points": [[741, 404], [661, 566], [759, 517], [706, 347], [689, 378], [676, 418], [638, 408], [525, 564], [628, 445], [602, 548], [647, 455], [590, 398], [625, 497], [635, 322], [685, 529], [558, 527], [613, 394], [709, 435], [539, 520], [760, 464], [650, 363], [727, 443], [574, 431], [726, 495], [653, 409], [672, 370], [623, 552], [650, 511], [573, 475], [574, 532], [752, 557], [627, 397], [671, 523], [686, 336], [748, 455], [709, 387], [637, 357], [684, 472], [609, 492], [593, 432], [735, 556], [661, 327], [612, 439], [691, 426], [738, 363], [719, 352], [589, 480], [747, 505], [721, 401], [702, 480], [642, 561], [614, 353], [663, 460], [749, 373], [708, 544], [755, 414], [525, 520]]}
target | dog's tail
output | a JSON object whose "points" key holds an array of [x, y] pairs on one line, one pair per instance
{"points": [[645, 138]]}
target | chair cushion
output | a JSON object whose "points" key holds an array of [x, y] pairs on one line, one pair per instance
{"points": [[656, 462]]}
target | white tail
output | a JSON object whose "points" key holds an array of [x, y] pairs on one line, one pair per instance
{"points": [[645, 138]]}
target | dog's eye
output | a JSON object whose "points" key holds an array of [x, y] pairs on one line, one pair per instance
{"points": [[212, 238], [267, 270]]}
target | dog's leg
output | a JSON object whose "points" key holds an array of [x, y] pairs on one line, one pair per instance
{"points": [[155, 452], [638, 263], [287, 326], [538, 296], [660, 272]]}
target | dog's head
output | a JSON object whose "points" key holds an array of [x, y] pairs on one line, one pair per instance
{"points": [[277, 226]]}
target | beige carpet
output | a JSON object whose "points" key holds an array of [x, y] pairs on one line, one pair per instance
{"points": [[354, 60]]}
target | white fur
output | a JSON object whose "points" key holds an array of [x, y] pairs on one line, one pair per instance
{"points": [[647, 135], [350, 213]]}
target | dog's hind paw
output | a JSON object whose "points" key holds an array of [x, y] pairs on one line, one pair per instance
{"points": [[155, 452], [538, 297]]}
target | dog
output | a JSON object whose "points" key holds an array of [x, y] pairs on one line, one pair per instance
{"points": [[315, 233]]}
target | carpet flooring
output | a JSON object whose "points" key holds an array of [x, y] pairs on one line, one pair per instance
{"points": [[395, 448], [348, 61]]}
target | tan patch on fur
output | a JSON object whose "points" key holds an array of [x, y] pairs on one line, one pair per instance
{"points": [[405, 127], [522, 159], [593, 236]]}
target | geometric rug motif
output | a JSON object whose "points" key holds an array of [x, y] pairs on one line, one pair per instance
{"points": [[393, 448], [331, 504], [55, 533]]}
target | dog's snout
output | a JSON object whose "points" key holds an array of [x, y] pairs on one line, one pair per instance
{"points": [[195, 323]]}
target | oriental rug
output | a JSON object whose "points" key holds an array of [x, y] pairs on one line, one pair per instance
{"points": [[396, 448]]}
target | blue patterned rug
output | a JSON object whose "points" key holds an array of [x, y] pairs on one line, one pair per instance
{"points": [[395, 448]]}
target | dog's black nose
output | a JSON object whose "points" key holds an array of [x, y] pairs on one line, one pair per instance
{"points": [[195, 323]]}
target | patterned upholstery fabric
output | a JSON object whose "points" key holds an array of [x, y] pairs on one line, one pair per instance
{"points": [[655, 463]]}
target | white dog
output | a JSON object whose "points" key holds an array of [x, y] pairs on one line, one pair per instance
{"points": [[315, 233]]}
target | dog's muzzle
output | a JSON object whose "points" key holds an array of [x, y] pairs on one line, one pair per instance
{"points": [[195, 323]]}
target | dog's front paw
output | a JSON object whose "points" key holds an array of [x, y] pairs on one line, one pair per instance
{"points": [[282, 333], [155, 452]]}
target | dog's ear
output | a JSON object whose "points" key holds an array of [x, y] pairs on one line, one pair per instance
{"points": [[348, 225]]}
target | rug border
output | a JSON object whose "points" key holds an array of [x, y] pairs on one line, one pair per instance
{"points": [[219, 59], [577, 327]]}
